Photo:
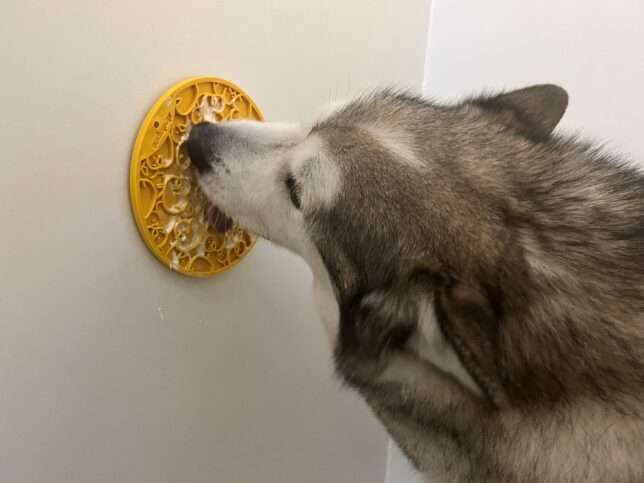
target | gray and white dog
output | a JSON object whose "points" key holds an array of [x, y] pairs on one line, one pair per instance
{"points": [[482, 279]]}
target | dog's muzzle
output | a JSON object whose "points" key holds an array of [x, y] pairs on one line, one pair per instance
{"points": [[201, 145]]}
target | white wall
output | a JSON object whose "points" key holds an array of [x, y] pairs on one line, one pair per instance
{"points": [[592, 48], [112, 368]]}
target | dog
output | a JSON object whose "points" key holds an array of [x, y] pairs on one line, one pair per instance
{"points": [[480, 277]]}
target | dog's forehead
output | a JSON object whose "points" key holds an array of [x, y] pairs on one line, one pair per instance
{"points": [[340, 138]]}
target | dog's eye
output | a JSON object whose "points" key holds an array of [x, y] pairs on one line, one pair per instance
{"points": [[293, 191]]}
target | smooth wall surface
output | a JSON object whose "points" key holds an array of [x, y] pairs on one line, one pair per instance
{"points": [[112, 368], [591, 48]]}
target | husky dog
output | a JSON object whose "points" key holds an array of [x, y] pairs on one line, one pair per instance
{"points": [[481, 278]]}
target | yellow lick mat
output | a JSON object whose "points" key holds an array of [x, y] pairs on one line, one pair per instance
{"points": [[168, 206]]}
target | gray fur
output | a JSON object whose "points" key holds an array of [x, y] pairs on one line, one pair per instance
{"points": [[531, 249]]}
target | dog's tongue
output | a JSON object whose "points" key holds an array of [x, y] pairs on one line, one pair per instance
{"points": [[217, 220]]}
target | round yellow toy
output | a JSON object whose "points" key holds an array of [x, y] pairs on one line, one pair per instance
{"points": [[172, 215]]}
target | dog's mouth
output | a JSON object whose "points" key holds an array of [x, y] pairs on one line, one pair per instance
{"points": [[213, 217], [217, 220]]}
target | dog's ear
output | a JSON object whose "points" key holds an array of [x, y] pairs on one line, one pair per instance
{"points": [[533, 111]]}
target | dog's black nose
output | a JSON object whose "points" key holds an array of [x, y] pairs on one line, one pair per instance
{"points": [[200, 145]]}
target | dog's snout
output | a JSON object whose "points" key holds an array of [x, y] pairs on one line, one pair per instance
{"points": [[201, 145]]}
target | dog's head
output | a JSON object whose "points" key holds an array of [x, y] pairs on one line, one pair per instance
{"points": [[383, 188]]}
